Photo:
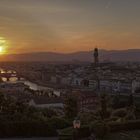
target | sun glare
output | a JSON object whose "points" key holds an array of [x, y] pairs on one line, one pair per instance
{"points": [[1, 50], [2, 45]]}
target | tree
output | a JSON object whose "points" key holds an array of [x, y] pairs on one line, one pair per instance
{"points": [[131, 108], [47, 112], [100, 129], [104, 100], [131, 100], [2, 100], [71, 107]]}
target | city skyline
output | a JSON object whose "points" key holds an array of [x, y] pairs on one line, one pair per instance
{"points": [[68, 26]]}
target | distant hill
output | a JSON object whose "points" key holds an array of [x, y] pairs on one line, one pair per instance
{"points": [[105, 55]]}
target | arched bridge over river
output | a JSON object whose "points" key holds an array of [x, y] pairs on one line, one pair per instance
{"points": [[9, 75]]}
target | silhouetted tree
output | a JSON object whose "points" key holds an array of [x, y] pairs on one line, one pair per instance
{"points": [[71, 107], [131, 100], [104, 101]]}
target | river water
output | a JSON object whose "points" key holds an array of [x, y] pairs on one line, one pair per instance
{"points": [[14, 79]]}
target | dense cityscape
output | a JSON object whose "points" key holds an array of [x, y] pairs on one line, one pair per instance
{"points": [[85, 93], [69, 70]]}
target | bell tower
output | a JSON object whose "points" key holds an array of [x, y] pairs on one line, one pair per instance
{"points": [[96, 56]]}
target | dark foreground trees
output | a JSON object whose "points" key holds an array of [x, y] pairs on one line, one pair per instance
{"points": [[71, 108], [20, 119]]}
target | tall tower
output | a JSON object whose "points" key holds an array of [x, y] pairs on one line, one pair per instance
{"points": [[96, 59]]}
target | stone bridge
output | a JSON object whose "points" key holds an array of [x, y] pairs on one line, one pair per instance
{"points": [[9, 75]]}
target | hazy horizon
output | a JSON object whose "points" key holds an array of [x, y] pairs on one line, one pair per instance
{"points": [[108, 50]]}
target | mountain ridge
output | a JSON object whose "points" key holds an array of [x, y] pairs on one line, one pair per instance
{"points": [[104, 55]]}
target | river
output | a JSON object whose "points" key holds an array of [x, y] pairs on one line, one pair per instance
{"points": [[14, 79]]}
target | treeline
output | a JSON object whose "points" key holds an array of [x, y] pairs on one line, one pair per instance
{"points": [[32, 129], [18, 119]]}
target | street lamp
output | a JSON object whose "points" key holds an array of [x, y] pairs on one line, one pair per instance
{"points": [[76, 126]]}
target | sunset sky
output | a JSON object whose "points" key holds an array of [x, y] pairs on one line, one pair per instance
{"points": [[69, 25]]}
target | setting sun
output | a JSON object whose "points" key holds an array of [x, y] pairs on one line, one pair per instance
{"points": [[3, 45], [1, 50]]}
